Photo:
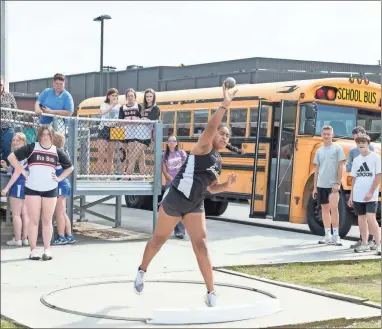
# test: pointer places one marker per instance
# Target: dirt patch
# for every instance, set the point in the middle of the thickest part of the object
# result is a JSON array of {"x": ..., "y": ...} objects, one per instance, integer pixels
[{"x": 103, "y": 232}]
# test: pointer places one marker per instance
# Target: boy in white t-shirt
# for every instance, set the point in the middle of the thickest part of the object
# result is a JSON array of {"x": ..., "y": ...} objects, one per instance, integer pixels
[{"x": 366, "y": 173}]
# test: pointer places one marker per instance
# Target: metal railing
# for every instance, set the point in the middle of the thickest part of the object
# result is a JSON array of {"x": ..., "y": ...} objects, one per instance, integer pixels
[{"x": 110, "y": 157}]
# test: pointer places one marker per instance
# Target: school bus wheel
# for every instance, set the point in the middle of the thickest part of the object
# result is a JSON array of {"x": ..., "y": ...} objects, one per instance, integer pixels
[
  {"x": 314, "y": 216},
  {"x": 215, "y": 208}
]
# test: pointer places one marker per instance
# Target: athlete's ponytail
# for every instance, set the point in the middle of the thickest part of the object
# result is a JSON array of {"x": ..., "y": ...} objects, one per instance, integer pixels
[{"x": 234, "y": 149}]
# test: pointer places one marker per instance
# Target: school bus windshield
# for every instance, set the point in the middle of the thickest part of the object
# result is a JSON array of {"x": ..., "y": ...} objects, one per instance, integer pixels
[{"x": 343, "y": 119}]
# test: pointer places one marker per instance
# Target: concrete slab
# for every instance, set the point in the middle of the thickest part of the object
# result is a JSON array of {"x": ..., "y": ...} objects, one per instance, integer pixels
[{"x": 23, "y": 282}]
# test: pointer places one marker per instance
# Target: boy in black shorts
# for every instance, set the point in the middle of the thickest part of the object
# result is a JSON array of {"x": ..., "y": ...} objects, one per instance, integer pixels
[{"x": 366, "y": 173}]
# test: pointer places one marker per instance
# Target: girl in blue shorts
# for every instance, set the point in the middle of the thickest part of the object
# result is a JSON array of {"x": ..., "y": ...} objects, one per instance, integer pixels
[
  {"x": 15, "y": 187},
  {"x": 64, "y": 230}
]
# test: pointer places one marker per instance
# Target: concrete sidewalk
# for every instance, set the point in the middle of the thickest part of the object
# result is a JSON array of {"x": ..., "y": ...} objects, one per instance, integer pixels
[{"x": 23, "y": 282}]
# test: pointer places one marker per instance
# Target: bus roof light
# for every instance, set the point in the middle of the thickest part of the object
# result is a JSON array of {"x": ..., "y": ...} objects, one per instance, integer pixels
[
  {"x": 366, "y": 81},
  {"x": 331, "y": 94},
  {"x": 320, "y": 94},
  {"x": 351, "y": 80},
  {"x": 359, "y": 80}
]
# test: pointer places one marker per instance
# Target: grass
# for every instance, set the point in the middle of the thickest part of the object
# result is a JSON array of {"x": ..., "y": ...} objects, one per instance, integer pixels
[
  {"x": 358, "y": 278},
  {"x": 8, "y": 324},
  {"x": 374, "y": 322}
]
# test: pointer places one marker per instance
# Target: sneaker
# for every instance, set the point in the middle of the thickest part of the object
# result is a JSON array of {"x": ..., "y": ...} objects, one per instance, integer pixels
[
  {"x": 139, "y": 282},
  {"x": 372, "y": 245},
  {"x": 15, "y": 243},
  {"x": 34, "y": 255},
  {"x": 378, "y": 250},
  {"x": 327, "y": 239},
  {"x": 47, "y": 255},
  {"x": 179, "y": 235},
  {"x": 364, "y": 247},
  {"x": 59, "y": 240},
  {"x": 70, "y": 239},
  {"x": 337, "y": 240},
  {"x": 210, "y": 299},
  {"x": 356, "y": 245},
  {"x": 26, "y": 242}
]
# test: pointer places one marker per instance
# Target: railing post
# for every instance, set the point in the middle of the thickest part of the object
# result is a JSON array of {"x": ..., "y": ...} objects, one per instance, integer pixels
[
  {"x": 157, "y": 184},
  {"x": 72, "y": 149}
]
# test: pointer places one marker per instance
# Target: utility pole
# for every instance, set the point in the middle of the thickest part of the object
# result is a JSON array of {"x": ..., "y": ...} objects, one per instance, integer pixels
[{"x": 4, "y": 44}]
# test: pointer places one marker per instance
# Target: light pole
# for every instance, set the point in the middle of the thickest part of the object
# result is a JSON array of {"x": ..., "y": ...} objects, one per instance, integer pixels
[
  {"x": 101, "y": 19},
  {"x": 108, "y": 70}
]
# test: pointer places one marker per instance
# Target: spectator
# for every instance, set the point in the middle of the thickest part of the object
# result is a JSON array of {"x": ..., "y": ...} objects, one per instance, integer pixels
[
  {"x": 327, "y": 182},
  {"x": 366, "y": 173},
  {"x": 131, "y": 111},
  {"x": 41, "y": 186},
  {"x": 150, "y": 111},
  {"x": 56, "y": 101},
  {"x": 64, "y": 229},
  {"x": 16, "y": 187},
  {"x": 172, "y": 161},
  {"x": 106, "y": 147},
  {"x": 7, "y": 130},
  {"x": 353, "y": 153}
]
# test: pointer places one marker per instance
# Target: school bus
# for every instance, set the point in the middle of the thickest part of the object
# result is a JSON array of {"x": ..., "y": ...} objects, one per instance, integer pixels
[{"x": 275, "y": 175}]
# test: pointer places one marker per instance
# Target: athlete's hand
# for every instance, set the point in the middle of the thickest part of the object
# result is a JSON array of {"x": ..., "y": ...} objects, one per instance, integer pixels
[
  {"x": 368, "y": 196},
  {"x": 350, "y": 202},
  {"x": 231, "y": 178},
  {"x": 4, "y": 192},
  {"x": 228, "y": 95},
  {"x": 3, "y": 164},
  {"x": 314, "y": 194},
  {"x": 55, "y": 178}
]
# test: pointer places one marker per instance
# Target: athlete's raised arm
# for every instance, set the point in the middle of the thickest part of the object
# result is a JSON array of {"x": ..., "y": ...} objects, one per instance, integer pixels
[{"x": 204, "y": 144}]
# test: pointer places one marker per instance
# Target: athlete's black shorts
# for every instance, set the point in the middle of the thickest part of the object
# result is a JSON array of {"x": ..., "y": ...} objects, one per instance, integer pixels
[
  {"x": 323, "y": 195},
  {"x": 175, "y": 204},
  {"x": 44, "y": 194},
  {"x": 363, "y": 208}
]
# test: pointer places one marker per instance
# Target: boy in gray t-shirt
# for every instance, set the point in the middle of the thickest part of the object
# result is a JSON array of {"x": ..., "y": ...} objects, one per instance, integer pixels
[{"x": 329, "y": 161}]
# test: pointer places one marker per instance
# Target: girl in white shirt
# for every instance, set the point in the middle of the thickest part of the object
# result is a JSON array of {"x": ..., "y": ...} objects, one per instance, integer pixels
[{"x": 105, "y": 145}]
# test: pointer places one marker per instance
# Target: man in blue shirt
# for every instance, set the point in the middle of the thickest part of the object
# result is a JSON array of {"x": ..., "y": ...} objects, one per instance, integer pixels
[{"x": 56, "y": 101}]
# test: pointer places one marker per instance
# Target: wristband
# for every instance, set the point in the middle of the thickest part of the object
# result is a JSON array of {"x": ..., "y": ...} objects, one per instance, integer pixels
[{"x": 222, "y": 107}]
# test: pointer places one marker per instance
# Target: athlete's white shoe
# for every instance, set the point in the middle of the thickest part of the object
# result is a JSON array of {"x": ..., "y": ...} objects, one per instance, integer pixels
[
  {"x": 35, "y": 255},
  {"x": 139, "y": 282},
  {"x": 47, "y": 255},
  {"x": 210, "y": 299}
]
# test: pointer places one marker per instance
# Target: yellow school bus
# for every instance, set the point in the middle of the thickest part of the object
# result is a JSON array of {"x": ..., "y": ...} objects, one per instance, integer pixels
[{"x": 275, "y": 175}]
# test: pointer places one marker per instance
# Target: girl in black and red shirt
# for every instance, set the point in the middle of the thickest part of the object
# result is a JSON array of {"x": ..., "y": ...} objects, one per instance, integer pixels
[{"x": 41, "y": 185}]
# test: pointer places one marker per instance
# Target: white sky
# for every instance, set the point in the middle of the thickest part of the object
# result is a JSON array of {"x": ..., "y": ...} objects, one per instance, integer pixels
[{"x": 49, "y": 37}]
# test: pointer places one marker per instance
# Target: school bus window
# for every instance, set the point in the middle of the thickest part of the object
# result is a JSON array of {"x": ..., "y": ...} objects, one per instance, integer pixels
[
  {"x": 168, "y": 123},
  {"x": 224, "y": 120},
  {"x": 263, "y": 121},
  {"x": 238, "y": 121},
  {"x": 200, "y": 121},
  {"x": 370, "y": 120},
  {"x": 183, "y": 123}
]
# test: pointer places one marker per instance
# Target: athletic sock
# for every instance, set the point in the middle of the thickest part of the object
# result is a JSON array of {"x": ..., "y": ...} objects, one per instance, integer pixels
[
  {"x": 327, "y": 231},
  {"x": 335, "y": 231},
  {"x": 139, "y": 269}
]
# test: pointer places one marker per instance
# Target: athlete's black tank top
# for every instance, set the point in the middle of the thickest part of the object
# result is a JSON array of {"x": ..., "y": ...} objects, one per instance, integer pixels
[{"x": 196, "y": 174}]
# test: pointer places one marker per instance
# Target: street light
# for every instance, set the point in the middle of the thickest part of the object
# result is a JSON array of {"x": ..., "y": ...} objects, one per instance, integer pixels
[
  {"x": 101, "y": 19},
  {"x": 108, "y": 69}
]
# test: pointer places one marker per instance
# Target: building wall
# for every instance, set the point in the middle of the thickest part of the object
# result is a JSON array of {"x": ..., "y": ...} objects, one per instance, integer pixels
[{"x": 164, "y": 78}]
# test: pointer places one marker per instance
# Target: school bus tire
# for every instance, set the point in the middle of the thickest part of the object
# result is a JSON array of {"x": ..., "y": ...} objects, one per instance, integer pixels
[
  {"x": 314, "y": 220},
  {"x": 215, "y": 208},
  {"x": 135, "y": 201}
]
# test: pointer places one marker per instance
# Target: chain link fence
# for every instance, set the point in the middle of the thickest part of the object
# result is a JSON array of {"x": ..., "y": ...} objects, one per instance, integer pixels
[
  {"x": 106, "y": 149},
  {"x": 117, "y": 149}
]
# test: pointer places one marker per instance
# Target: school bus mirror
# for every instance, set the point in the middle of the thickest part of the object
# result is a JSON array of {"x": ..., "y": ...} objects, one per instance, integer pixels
[
  {"x": 373, "y": 135},
  {"x": 309, "y": 127},
  {"x": 310, "y": 112}
]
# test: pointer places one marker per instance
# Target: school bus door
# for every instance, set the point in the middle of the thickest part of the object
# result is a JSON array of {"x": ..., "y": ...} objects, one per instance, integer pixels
[
  {"x": 262, "y": 155},
  {"x": 274, "y": 186}
]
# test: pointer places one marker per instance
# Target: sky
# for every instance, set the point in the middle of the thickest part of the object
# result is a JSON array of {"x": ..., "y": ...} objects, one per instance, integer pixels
[{"x": 45, "y": 37}]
